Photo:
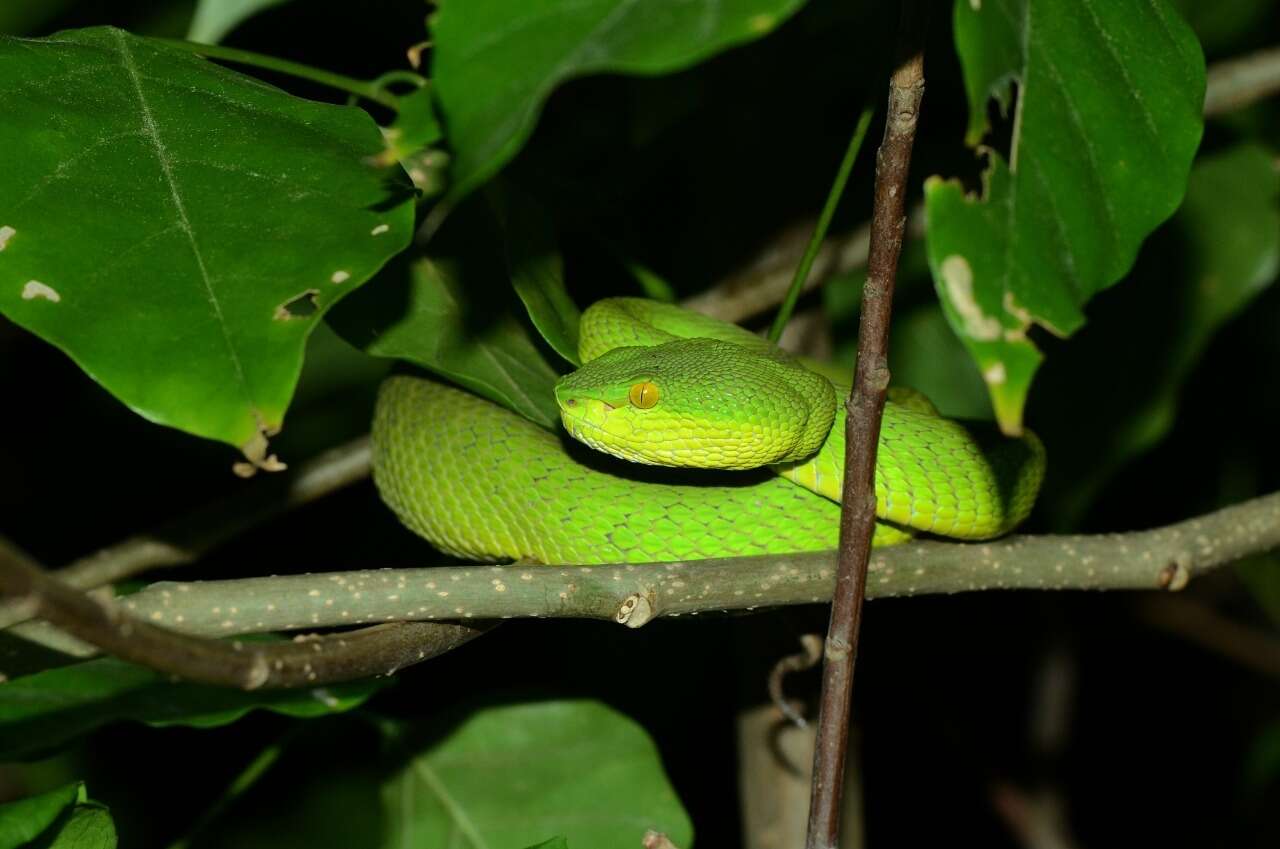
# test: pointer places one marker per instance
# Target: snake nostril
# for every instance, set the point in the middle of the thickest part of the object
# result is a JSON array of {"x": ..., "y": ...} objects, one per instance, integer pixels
[{"x": 571, "y": 402}]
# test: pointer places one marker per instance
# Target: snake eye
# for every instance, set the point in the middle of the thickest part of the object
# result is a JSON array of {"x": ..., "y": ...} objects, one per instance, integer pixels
[{"x": 644, "y": 395}]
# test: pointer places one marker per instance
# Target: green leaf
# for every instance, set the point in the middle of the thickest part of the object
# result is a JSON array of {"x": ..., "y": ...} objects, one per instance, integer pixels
[
  {"x": 26, "y": 819},
  {"x": 537, "y": 273},
  {"x": 88, "y": 826},
  {"x": 415, "y": 125},
  {"x": 509, "y": 774},
  {"x": 179, "y": 229},
  {"x": 1200, "y": 270},
  {"x": 553, "y": 843},
  {"x": 1107, "y": 122},
  {"x": 496, "y": 61},
  {"x": 41, "y": 711},
  {"x": 453, "y": 313}
]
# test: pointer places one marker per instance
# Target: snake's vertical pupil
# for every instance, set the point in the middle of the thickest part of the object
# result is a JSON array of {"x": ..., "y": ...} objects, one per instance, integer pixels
[{"x": 643, "y": 395}]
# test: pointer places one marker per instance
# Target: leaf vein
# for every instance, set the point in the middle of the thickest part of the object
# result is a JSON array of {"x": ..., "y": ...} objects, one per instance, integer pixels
[{"x": 152, "y": 131}]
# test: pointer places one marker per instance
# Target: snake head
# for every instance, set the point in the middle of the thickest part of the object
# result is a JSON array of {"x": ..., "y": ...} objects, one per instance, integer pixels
[{"x": 697, "y": 403}]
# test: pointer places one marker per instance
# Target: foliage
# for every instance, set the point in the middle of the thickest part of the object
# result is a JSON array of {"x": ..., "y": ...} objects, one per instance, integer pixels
[
  {"x": 62, "y": 818},
  {"x": 225, "y": 251}
]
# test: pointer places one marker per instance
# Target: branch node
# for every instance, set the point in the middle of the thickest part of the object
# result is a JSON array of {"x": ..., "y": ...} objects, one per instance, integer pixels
[
  {"x": 837, "y": 649},
  {"x": 1176, "y": 574},
  {"x": 636, "y": 610}
]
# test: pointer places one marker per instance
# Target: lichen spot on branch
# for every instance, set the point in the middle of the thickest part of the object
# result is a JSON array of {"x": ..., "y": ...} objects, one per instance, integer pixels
[{"x": 6, "y": 233}]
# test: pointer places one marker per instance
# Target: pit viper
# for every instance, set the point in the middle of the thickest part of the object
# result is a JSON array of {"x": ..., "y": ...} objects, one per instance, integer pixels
[{"x": 728, "y": 445}]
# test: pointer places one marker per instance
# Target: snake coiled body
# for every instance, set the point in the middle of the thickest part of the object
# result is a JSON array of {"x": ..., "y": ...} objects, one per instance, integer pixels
[{"x": 481, "y": 482}]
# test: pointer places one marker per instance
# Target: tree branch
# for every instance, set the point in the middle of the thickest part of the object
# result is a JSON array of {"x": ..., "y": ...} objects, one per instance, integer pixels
[
  {"x": 1160, "y": 559},
  {"x": 303, "y": 662},
  {"x": 864, "y": 408},
  {"x": 1236, "y": 83},
  {"x": 190, "y": 537}
]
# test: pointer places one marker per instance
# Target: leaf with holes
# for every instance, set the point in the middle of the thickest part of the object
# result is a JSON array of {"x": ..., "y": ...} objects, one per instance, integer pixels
[
  {"x": 178, "y": 229},
  {"x": 497, "y": 61},
  {"x": 1108, "y": 118}
]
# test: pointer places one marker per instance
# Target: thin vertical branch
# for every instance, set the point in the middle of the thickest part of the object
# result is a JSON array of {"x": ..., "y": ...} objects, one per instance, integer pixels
[{"x": 862, "y": 429}]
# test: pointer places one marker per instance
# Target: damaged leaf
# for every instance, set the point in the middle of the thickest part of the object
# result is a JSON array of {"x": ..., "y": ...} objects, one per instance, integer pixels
[
  {"x": 1106, "y": 121},
  {"x": 159, "y": 216}
]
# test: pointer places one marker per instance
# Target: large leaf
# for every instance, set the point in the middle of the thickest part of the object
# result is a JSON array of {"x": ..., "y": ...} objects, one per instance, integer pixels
[
  {"x": 496, "y": 61},
  {"x": 453, "y": 313},
  {"x": 178, "y": 228},
  {"x": 215, "y": 18},
  {"x": 509, "y": 775},
  {"x": 1107, "y": 122},
  {"x": 41, "y": 711},
  {"x": 506, "y": 777}
]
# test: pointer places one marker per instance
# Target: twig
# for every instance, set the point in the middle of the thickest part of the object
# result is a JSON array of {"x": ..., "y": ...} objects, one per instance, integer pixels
[
  {"x": 807, "y": 658},
  {"x": 190, "y": 537},
  {"x": 762, "y": 283},
  {"x": 368, "y": 89},
  {"x": 1201, "y": 624},
  {"x": 788, "y": 305},
  {"x": 306, "y": 661},
  {"x": 1235, "y": 83},
  {"x": 862, "y": 429}
]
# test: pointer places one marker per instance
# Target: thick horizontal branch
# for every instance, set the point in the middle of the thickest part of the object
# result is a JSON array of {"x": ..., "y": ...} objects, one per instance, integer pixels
[
  {"x": 305, "y": 661},
  {"x": 1161, "y": 559}
]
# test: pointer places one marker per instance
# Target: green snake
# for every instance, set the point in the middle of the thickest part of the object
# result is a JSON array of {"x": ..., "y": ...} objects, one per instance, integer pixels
[{"x": 663, "y": 387}]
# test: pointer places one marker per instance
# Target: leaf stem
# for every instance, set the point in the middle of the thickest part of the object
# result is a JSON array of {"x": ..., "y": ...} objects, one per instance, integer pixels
[
  {"x": 368, "y": 89},
  {"x": 824, "y": 222}
]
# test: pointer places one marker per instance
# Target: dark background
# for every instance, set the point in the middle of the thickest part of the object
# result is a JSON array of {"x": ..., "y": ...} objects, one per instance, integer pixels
[{"x": 1164, "y": 742}]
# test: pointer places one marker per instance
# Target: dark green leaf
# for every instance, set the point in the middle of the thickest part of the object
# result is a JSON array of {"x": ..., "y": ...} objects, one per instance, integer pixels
[
  {"x": 515, "y": 773},
  {"x": 178, "y": 228},
  {"x": 26, "y": 819},
  {"x": 1107, "y": 121},
  {"x": 553, "y": 843},
  {"x": 496, "y": 61},
  {"x": 88, "y": 826},
  {"x": 215, "y": 18},
  {"x": 453, "y": 313},
  {"x": 537, "y": 273},
  {"x": 41, "y": 711},
  {"x": 415, "y": 126}
]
